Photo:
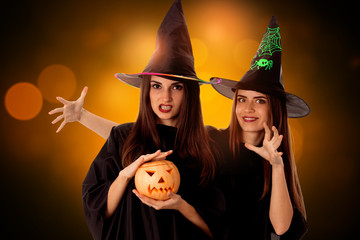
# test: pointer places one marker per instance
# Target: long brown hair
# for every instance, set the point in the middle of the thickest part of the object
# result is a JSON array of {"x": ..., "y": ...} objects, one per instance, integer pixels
[
  {"x": 279, "y": 119},
  {"x": 191, "y": 141}
]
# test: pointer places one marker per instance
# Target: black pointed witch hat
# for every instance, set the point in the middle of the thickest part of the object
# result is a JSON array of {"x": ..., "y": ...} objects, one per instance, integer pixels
[
  {"x": 173, "y": 55},
  {"x": 265, "y": 74}
]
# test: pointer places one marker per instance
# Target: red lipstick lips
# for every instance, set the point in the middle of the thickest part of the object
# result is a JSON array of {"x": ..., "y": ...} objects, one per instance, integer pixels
[
  {"x": 165, "y": 108},
  {"x": 249, "y": 119}
]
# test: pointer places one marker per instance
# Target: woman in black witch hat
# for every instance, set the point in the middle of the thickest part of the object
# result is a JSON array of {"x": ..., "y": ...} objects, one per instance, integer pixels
[
  {"x": 169, "y": 119},
  {"x": 258, "y": 176}
]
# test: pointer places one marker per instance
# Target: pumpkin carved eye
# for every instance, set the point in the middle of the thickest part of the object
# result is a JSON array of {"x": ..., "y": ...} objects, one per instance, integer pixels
[
  {"x": 150, "y": 173},
  {"x": 169, "y": 171},
  {"x": 161, "y": 180}
]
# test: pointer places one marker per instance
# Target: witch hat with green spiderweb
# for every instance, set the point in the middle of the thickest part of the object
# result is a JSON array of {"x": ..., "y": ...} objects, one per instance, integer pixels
[{"x": 265, "y": 74}]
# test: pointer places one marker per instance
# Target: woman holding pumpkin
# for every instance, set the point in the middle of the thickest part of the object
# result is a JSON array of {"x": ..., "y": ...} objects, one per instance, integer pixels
[
  {"x": 169, "y": 119},
  {"x": 111, "y": 207}
]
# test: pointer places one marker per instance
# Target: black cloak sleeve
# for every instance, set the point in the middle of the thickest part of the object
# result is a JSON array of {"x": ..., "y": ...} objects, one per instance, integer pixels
[
  {"x": 298, "y": 227},
  {"x": 296, "y": 231},
  {"x": 103, "y": 171}
]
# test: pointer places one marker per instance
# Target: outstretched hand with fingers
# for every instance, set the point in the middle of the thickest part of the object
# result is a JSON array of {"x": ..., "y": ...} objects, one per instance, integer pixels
[
  {"x": 270, "y": 145},
  {"x": 71, "y": 111}
]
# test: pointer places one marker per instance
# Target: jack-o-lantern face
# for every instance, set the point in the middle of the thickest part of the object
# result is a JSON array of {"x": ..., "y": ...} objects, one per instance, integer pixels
[{"x": 155, "y": 179}]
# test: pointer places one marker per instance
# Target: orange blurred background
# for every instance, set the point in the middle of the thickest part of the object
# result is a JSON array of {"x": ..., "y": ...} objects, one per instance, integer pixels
[{"x": 55, "y": 48}]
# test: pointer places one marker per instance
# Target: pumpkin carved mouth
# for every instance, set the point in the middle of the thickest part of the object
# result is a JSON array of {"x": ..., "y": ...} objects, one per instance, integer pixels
[{"x": 162, "y": 189}]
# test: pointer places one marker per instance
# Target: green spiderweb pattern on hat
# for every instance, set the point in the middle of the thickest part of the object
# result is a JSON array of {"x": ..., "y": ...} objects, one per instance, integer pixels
[{"x": 270, "y": 43}]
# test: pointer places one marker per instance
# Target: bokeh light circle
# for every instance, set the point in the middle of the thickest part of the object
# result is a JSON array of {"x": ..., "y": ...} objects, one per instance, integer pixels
[
  {"x": 57, "y": 80},
  {"x": 23, "y": 101}
]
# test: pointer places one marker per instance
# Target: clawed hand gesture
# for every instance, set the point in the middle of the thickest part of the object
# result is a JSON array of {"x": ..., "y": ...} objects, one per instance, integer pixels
[
  {"x": 270, "y": 145},
  {"x": 71, "y": 111}
]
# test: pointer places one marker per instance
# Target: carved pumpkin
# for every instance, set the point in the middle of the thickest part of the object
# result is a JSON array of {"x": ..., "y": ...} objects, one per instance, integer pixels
[{"x": 155, "y": 179}]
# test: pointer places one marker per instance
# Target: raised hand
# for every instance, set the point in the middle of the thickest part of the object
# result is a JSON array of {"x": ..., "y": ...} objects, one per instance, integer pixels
[
  {"x": 270, "y": 145},
  {"x": 71, "y": 111}
]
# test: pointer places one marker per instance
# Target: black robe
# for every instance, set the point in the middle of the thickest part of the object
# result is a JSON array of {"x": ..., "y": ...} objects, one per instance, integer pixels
[
  {"x": 242, "y": 182},
  {"x": 133, "y": 219}
]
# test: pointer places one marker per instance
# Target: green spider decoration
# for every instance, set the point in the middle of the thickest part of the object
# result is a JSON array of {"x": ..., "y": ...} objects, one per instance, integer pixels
[{"x": 268, "y": 64}]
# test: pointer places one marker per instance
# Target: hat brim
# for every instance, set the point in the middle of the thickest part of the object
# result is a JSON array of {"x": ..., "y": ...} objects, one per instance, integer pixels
[
  {"x": 223, "y": 86},
  {"x": 135, "y": 80},
  {"x": 295, "y": 106}
]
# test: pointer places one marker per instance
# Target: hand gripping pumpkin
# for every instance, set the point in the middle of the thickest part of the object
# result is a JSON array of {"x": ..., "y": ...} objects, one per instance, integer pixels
[{"x": 155, "y": 179}]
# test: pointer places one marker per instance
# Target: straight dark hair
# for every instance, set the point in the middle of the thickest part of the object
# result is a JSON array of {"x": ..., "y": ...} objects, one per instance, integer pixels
[
  {"x": 192, "y": 140},
  {"x": 279, "y": 119}
]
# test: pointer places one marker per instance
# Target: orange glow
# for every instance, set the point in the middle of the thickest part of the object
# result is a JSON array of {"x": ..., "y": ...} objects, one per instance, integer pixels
[
  {"x": 135, "y": 49},
  {"x": 115, "y": 100},
  {"x": 23, "y": 101},
  {"x": 57, "y": 80},
  {"x": 216, "y": 108},
  {"x": 200, "y": 51},
  {"x": 244, "y": 53},
  {"x": 219, "y": 28}
]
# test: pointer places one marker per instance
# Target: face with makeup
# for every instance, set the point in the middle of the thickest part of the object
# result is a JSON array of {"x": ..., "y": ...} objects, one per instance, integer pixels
[
  {"x": 166, "y": 98},
  {"x": 252, "y": 110}
]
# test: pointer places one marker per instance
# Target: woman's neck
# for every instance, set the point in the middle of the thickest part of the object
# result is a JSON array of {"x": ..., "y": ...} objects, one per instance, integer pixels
[
  {"x": 253, "y": 138},
  {"x": 171, "y": 123}
]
